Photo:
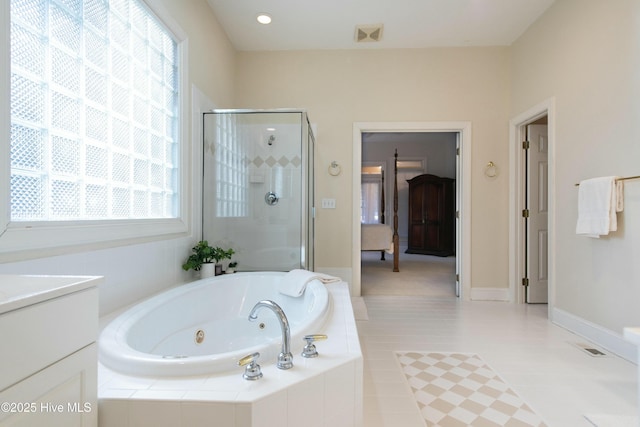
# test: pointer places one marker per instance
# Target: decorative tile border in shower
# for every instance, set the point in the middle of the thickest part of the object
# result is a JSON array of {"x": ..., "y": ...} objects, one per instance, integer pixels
[
  {"x": 258, "y": 161},
  {"x": 270, "y": 161}
]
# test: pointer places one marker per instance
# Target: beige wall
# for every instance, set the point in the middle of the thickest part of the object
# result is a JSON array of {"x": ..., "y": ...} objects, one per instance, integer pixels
[
  {"x": 339, "y": 88},
  {"x": 212, "y": 59},
  {"x": 586, "y": 54}
]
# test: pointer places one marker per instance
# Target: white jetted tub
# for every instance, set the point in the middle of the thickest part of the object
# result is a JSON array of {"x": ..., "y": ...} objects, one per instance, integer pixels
[
  {"x": 152, "y": 371},
  {"x": 203, "y": 327}
]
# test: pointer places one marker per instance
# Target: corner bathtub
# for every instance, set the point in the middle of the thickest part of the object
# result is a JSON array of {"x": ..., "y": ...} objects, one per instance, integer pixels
[
  {"x": 203, "y": 327},
  {"x": 326, "y": 390}
]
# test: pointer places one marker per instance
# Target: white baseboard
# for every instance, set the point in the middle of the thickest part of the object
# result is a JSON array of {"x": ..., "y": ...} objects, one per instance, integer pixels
[
  {"x": 490, "y": 294},
  {"x": 605, "y": 338}
]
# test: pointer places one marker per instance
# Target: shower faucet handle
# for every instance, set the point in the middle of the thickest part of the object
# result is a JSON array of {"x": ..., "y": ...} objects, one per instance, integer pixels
[
  {"x": 309, "y": 350},
  {"x": 252, "y": 371},
  {"x": 271, "y": 198}
]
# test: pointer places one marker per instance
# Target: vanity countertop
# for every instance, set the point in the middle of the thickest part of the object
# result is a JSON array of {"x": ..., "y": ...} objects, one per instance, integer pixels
[{"x": 17, "y": 291}]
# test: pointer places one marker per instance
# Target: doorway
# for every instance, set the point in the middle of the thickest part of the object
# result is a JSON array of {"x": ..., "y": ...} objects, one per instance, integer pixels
[
  {"x": 463, "y": 197},
  {"x": 429, "y": 270}
]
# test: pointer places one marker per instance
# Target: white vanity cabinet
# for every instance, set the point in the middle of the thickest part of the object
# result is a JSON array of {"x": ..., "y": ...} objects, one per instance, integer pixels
[{"x": 48, "y": 369}]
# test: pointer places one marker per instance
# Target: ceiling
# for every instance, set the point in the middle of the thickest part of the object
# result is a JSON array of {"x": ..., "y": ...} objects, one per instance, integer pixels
[{"x": 331, "y": 24}]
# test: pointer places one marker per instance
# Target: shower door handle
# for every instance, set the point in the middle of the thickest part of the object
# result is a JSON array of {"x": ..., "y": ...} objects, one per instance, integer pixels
[{"x": 271, "y": 199}]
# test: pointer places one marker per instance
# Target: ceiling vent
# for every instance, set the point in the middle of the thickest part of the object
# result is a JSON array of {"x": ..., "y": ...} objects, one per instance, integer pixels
[{"x": 368, "y": 33}]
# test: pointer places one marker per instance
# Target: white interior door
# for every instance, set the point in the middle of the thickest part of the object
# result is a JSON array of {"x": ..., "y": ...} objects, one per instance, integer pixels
[{"x": 538, "y": 202}]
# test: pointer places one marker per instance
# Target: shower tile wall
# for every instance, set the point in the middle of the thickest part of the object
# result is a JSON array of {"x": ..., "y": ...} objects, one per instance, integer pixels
[
  {"x": 266, "y": 156},
  {"x": 275, "y": 168}
]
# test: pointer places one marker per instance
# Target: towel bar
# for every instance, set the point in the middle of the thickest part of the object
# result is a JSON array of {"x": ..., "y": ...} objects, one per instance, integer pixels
[{"x": 623, "y": 179}]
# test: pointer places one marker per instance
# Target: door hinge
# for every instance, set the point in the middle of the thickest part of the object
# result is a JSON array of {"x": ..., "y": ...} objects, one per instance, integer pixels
[
  {"x": 525, "y": 281},
  {"x": 457, "y": 151},
  {"x": 525, "y": 213},
  {"x": 458, "y": 214},
  {"x": 457, "y": 277},
  {"x": 525, "y": 145}
]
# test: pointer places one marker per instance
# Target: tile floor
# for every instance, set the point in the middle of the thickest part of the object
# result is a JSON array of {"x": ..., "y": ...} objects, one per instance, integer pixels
[{"x": 539, "y": 360}]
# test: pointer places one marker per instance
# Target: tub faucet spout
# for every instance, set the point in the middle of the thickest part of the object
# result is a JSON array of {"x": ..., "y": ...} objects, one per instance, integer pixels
[{"x": 285, "y": 358}]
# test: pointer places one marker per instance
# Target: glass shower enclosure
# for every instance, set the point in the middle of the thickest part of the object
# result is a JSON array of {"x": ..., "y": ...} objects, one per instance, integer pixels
[{"x": 258, "y": 187}]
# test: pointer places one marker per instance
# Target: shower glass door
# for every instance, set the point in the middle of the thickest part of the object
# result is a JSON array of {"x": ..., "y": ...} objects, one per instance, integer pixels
[{"x": 258, "y": 187}]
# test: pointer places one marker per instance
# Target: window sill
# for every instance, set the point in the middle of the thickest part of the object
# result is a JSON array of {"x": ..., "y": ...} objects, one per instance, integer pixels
[{"x": 24, "y": 241}]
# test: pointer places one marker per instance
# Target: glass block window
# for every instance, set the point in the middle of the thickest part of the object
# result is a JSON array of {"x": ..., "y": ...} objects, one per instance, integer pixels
[
  {"x": 94, "y": 112},
  {"x": 232, "y": 186}
]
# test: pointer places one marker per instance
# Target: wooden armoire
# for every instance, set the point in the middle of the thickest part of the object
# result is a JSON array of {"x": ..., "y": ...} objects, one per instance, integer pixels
[{"x": 431, "y": 215}]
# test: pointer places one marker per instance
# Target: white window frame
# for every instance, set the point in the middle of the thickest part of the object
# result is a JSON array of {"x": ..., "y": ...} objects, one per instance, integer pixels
[
  {"x": 374, "y": 178},
  {"x": 27, "y": 240}
]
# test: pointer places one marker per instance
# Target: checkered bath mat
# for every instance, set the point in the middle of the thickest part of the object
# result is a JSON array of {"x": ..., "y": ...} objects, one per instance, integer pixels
[{"x": 456, "y": 389}]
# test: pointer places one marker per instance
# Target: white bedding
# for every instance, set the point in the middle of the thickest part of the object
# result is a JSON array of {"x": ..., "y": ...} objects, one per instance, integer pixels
[{"x": 376, "y": 237}]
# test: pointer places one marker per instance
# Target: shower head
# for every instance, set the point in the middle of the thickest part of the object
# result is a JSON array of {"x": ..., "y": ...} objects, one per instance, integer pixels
[{"x": 271, "y": 140}]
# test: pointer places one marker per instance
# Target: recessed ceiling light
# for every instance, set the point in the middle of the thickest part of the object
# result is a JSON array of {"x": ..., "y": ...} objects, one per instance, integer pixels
[{"x": 264, "y": 18}]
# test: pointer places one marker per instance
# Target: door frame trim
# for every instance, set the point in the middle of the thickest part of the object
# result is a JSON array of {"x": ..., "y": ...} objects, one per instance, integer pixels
[
  {"x": 463, "y": 192},
  {"x": 517, "y": 131}
]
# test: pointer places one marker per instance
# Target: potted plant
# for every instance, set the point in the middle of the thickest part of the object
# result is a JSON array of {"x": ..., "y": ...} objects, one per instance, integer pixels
[
  {"x": 205, "y": 258},
  {"x": 232, "y": 267},
  {"x": 220, "y": 254},
  {"x": 201, "y": 254}
]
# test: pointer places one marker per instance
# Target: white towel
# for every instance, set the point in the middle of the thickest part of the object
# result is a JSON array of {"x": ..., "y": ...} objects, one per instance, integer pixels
[
  {"x": 619, "y": 195},
  {"x": 295, "y": 282},
  {"x": 598, "y": 201}
]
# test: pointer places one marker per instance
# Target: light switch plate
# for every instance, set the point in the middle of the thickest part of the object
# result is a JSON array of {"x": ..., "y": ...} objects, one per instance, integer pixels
[{"x": 328, "y": 203}]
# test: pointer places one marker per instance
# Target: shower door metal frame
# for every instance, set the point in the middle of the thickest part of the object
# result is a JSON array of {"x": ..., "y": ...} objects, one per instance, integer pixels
[
  {"x": 308, "y": 195},
  {"x": 307, "y": 141}
]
